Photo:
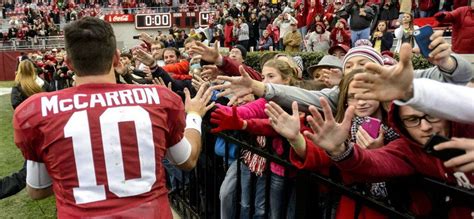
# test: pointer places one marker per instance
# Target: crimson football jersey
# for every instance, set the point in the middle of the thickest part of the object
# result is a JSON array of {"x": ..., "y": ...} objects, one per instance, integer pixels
[{"x": 102, "y": 145}]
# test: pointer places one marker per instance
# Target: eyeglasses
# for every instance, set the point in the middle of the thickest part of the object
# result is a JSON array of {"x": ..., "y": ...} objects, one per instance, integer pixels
[{"x": 415, "y": 121}]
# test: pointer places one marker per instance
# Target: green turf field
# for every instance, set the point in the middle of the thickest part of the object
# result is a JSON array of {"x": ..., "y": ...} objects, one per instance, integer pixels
[{"x": 20, "y": 205}]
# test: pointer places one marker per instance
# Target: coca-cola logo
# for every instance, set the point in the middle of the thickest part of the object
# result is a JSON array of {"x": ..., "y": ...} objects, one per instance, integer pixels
[{"x": 123, "y": 18}]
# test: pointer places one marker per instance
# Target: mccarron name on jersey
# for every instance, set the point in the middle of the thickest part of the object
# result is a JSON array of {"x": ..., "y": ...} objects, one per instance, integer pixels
[{"x": 145, "y": 95}]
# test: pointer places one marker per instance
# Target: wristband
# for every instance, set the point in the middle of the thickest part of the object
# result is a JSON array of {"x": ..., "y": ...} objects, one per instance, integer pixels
[
  {"x": 154, "y": 66},
  {"x": 344, "y": 155},
  {"x": 193, "y": 121},
  {"x": 300, "y": 142}
]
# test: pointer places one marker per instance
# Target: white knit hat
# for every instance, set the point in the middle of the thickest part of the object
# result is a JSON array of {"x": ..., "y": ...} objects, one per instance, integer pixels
[{"x": 365, "y": 51}]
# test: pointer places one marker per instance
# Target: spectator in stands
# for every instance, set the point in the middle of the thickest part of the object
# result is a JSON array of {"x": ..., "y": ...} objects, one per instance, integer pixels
[
  {"x": 218, "y": 37},
  {"x": 339, "y": 12},
  {"x": 283, "y": 22},
  {"x": 361, "y": 17},
  {"x": 241, "y": 32},
  {"x": 253, "y": 31},
  {"x": 341, "y": 34},
  {"x": 263, "y": 20},
  {"x": 182, "y": 36},
  {"x": 404, "y": 33},
  {"x": 405, "y": 7},
  {"x": 315, "y": 8},
  {"x": 339, "y": 51},
  {"x": 12, "y": 32},
  {"x": 264, "y": 42},
  {"x": 382, "y": 40},
  {"x": 293, "y": 39},
  {"x": 388, "y": 11},
  {"x": 426, "y": 8},
  {"x": 301, "y": 13},
  {"x": 462, "y": 20},
  {"x": 319, "y": 39},
  {"x": 234, "y": 10},
  {"x": 170, "y": 41},
  {"x": 228, "y": 32},
  {"x": 194, "y": 34}
]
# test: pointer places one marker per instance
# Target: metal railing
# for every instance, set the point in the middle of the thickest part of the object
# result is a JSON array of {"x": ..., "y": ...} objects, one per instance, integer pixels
[
  {"x": 32, "y": 43},
  {"x": 199, "y": 197}
]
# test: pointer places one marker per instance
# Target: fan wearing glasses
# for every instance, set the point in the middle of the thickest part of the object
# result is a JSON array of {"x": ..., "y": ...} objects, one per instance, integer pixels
[{"x": 401, "y": 157}]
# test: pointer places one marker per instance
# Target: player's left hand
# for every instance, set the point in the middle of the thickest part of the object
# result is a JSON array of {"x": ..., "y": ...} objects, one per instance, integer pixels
[{"x": 198, "y": 104}]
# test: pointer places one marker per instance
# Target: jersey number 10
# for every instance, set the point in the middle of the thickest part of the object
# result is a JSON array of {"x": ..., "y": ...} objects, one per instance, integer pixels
[{"x": 78, "y": 129}]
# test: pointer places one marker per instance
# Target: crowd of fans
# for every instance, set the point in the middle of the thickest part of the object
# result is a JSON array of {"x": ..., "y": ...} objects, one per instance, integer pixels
[
  {"x": 299, "y": 26},
  {"x": 353, "y": 84}
]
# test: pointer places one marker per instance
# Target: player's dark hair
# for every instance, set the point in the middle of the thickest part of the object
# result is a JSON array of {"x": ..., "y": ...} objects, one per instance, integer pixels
[{"x": 90, "y": 46}]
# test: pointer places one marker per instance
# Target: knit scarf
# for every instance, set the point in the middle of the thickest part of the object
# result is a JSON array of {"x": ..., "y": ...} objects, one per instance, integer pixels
[
  {"x": 377, "y": 190},
  {"x": 255, "y": 162}
]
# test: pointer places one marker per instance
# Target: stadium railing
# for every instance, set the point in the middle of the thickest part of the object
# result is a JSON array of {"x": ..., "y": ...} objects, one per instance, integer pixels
[
  {"x": 40, "y": 43},
  {"x": 198, "y": 197}
]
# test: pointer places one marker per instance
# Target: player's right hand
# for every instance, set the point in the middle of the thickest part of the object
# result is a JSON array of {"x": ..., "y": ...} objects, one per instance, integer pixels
[{"x": 198, "y": 104}]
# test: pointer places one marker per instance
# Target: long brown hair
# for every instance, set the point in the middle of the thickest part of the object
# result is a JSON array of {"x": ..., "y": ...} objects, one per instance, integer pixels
[
  {"x": 343, "y": 91},
  {"x": 411, "y": 25},
  {"x": 26, "y": 78}
]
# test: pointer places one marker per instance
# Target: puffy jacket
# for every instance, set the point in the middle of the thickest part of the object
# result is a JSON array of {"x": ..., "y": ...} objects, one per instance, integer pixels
[{"x": 462, "y": 20}]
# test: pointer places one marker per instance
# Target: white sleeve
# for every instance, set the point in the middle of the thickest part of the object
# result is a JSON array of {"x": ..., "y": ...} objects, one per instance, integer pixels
[
  {"x": 443, "y": 100},
  {"x": 180, "y": 152},
  {"x": 36, "y": 175}
]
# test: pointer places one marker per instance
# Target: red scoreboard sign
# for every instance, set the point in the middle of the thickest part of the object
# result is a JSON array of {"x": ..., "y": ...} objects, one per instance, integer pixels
[{"x": 119, "y": 18}]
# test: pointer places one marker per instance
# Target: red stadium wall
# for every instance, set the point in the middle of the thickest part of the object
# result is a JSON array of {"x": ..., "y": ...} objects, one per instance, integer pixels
[{"x": 8, "y": 62}]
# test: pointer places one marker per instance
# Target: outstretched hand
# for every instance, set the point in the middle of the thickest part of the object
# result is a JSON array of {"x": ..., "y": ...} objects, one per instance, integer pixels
[
  {"x": 209, "y": 54},
  {"x": 239, "y": 86},
  {"x": 224, "y": 121},
  {"x": 328, "y": 134},
  {"x": 198, "y": 104},
  {"x": 387, "y": 83},
  {"x": 285, "y": 124},
  {"x": 144, "y": 57}
]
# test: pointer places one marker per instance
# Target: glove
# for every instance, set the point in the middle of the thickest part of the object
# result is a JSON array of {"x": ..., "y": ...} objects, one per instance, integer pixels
[
  {"x": 225, "y": 121},
  {"x": 440, "y": 16}
]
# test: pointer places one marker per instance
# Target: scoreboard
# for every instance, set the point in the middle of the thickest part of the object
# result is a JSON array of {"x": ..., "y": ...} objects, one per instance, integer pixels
[{"x": 166, "y": 20}]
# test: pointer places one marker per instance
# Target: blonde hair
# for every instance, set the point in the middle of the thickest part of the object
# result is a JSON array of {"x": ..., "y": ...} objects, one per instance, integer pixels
[
  {"x": 290, "y": 62},
  {"x": 285, "y": 70},
  {"x": 26, "y": 78}
]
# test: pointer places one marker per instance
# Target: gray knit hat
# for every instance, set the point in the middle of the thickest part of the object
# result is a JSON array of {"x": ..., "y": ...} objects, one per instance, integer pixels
[{"x": 328, "y": 61}]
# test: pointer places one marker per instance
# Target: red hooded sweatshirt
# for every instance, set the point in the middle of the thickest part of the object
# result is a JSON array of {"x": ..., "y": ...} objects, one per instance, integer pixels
[
  {"x": 404, "y": 157},
  {"x": 341, "y": 36}
]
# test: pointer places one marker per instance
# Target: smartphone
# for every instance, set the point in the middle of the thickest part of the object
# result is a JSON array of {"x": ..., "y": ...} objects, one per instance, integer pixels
[
  {"x": 136, "y": 37},
  {"x": 371, "y": 126},
  {"x": 445, "y": 154},
  {"x": 422, "y": 37}
]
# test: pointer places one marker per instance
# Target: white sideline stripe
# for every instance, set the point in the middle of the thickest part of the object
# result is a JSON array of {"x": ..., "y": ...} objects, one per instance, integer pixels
[{"x": 4, "y": 91}]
